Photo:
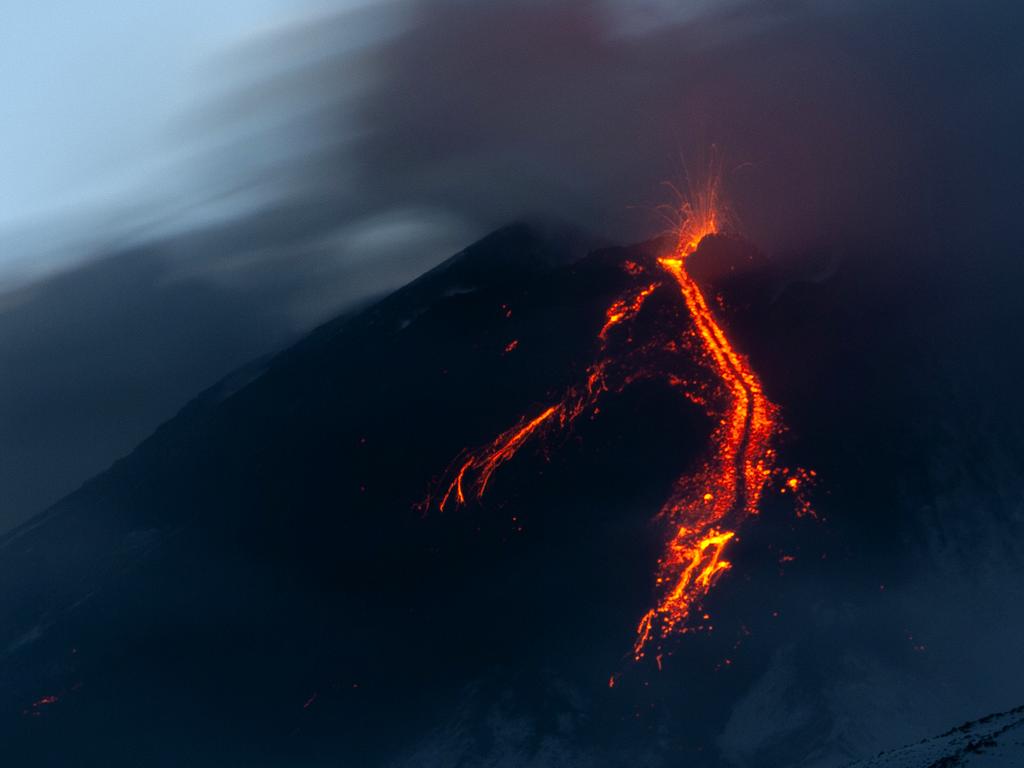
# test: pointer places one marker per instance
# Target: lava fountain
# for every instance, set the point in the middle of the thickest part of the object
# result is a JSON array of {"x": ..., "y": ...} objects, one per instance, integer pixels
[{"x": 706, "y": 508}]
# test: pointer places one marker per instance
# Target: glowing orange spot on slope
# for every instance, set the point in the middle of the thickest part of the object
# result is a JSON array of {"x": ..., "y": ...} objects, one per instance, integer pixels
[{"x": 36, "y": 708}]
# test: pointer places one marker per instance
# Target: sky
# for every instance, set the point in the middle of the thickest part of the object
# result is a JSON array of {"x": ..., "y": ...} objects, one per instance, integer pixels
[{"x": 94, "y": 96}]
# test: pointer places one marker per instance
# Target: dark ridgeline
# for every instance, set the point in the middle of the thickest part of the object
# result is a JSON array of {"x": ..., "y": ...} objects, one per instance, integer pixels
[{"x": 256, "y": 585}]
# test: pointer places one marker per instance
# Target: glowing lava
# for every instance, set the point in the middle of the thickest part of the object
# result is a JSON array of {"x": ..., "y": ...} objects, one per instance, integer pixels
[{"x": 706, "y": 508}]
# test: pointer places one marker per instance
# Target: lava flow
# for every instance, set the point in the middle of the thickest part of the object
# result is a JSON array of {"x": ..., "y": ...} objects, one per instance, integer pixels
[{"x": 706, "y": 508}]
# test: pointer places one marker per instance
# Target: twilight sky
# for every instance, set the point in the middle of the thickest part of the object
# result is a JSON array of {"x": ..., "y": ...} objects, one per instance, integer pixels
[{"x": 93, "y": 94}]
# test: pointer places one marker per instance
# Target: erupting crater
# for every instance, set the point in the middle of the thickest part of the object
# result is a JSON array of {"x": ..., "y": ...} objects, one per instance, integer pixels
[{"x": 705, "y": 508}]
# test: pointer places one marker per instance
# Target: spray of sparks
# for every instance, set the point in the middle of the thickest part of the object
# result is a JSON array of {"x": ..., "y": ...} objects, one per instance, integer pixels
[{"x": 706, "y": 508}]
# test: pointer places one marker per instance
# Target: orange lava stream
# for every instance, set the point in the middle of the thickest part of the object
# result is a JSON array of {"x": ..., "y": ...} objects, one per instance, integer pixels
[
  {"x": 706, "y": 508},
  {"x": 622, "y": 310},
  {"x": 484, "y": 463}
]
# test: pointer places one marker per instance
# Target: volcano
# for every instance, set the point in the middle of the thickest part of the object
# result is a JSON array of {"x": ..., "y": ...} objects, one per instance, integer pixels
[{"x": 287, "y": 574}]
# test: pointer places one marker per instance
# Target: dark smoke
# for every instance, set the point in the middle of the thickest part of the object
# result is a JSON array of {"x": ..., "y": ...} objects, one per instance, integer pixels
[{"x": 838, "y": 122}]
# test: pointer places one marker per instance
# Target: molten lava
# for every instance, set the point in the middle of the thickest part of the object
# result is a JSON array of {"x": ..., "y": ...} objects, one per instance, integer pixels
[{"x": 706, "y": 508}]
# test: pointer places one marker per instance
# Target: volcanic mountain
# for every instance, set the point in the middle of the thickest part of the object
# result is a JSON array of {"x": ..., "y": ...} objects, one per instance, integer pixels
[{"x": 269, "y": 579}]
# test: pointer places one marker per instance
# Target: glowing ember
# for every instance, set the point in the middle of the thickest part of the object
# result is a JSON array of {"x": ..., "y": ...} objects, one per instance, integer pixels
[
  {"x": 705, "y": 509},
  {"x": 37, "y": 707}
]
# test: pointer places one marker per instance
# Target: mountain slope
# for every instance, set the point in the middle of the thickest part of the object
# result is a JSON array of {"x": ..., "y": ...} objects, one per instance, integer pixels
[
  {"x": 258, "y": 583},
  {"x": 251, "y": 552}
]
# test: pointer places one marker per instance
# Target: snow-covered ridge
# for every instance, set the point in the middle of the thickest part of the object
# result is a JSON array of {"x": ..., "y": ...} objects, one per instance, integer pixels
[{"x": 995, "y": 741}]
